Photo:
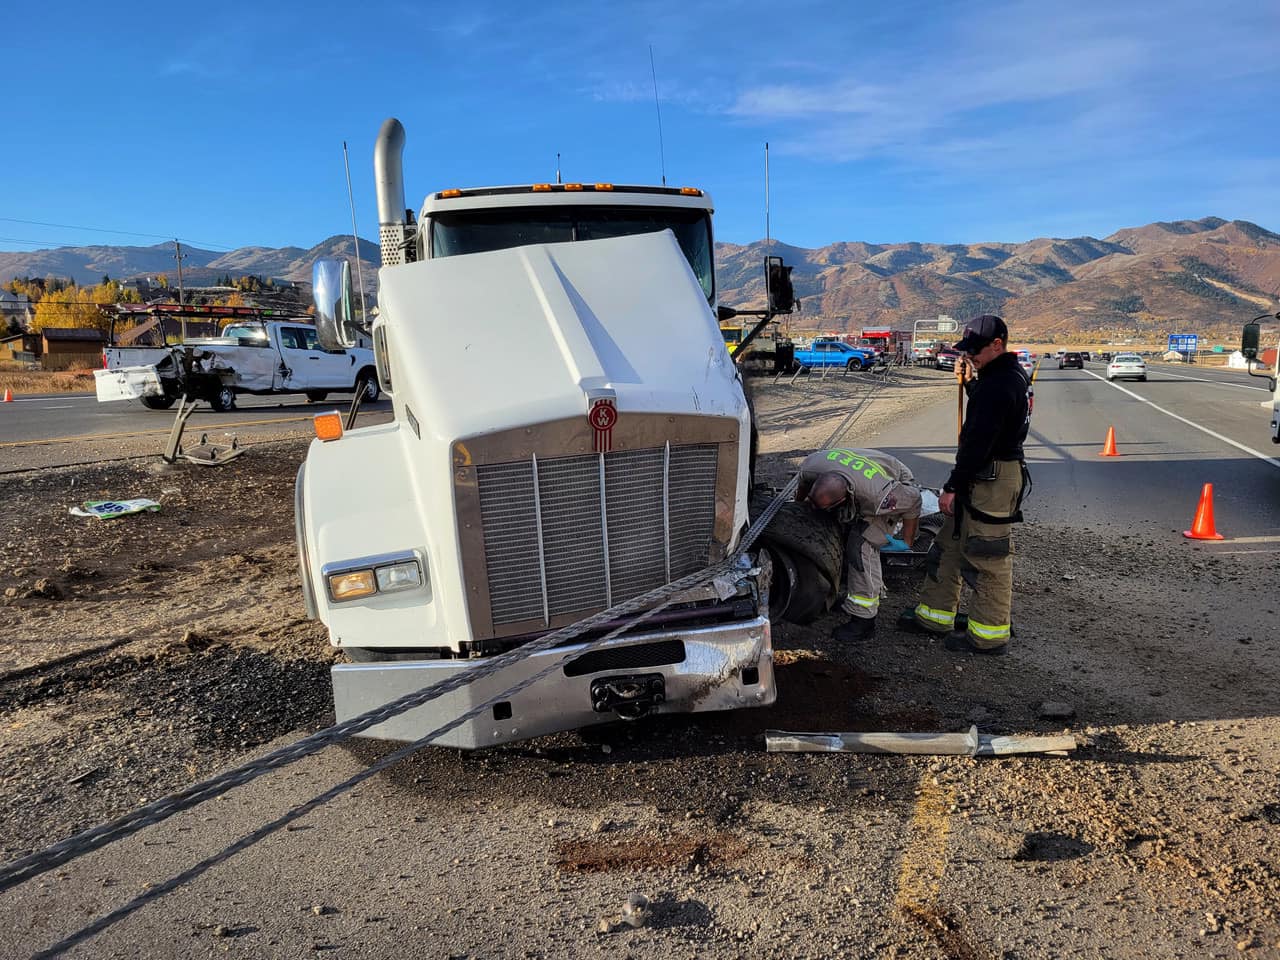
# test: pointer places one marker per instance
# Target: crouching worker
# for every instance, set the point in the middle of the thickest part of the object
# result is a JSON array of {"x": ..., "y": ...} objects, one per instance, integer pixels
[{"x": 868, "y": 491}]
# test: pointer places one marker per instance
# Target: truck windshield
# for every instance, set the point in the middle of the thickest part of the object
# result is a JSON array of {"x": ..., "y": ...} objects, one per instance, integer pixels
[{"x": 479, "y": 231}]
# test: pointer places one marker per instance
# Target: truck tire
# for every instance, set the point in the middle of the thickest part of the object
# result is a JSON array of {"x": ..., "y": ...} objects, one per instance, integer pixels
[
  {"x": 223, "y": 400},
  {"x": 162, "y": 402},
  {"x": 368, "y": 382},
  {"x": 854, "y": 364},
  {"x": 810, "y": 594},
  {"x": 316, "y": 396},
  {"x": 815, "y": 544}
]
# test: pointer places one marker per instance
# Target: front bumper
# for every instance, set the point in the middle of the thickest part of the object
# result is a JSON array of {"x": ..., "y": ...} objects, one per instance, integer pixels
[{"x": 723, "y": 667}]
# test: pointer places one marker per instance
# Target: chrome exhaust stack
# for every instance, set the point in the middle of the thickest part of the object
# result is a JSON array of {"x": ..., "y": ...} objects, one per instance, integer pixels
[{"x": 395, "y": 223}]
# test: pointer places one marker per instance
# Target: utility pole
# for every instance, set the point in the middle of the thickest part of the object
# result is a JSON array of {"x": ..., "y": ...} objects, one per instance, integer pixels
[{"x": 177, "y": 255}]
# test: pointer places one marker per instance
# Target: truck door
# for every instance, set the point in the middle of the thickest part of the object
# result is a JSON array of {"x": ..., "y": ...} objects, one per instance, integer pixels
[{"x": 308, "y": 366}]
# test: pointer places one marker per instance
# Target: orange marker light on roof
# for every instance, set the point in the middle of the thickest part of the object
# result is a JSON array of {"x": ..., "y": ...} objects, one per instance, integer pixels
[
  {"x": 542, "y": 188},
  {"x": 328, "y": 426},
  {"x": 690, "y": 191},
  {"x": 573, "y": 186},
  {"x": 604, "y": 186},
  {"x": 450, "y": 194}
]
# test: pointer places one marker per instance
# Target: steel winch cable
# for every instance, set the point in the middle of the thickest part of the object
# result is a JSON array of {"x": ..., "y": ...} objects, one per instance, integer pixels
[{"x": 643, "y": 607}]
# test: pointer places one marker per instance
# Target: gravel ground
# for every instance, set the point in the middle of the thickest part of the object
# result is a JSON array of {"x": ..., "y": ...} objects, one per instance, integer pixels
[{"x": 140, "y": 654}]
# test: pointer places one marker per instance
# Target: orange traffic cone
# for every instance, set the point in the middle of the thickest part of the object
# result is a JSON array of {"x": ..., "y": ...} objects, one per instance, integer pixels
[
  {"x": 1109, "y": 447},
  {"x": 1202, "y": 526},
  {"x": 8, "y": 395}
]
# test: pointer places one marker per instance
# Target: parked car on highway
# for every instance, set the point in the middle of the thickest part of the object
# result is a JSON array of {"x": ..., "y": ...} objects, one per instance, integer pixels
[
  {"x": 1127, "y": 366},
  {"x": 1086, "y": 355},
  {"x": 1071, "y": 359},
  {"x": 947, "y": 358},
  {"x": 1024, "y": 361},
  {"x": 1106, "y": 356}
]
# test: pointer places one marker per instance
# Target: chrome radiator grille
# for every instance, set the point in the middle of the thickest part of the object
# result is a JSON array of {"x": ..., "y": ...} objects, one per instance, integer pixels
[{"x": 570, "y": 534}]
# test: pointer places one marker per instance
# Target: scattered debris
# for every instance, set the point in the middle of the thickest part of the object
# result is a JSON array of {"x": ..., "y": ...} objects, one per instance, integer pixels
[
  {"x": 106, "y": 509},
  {"x": 971, "y": 744},
  {"x": 635, "y": 912}
]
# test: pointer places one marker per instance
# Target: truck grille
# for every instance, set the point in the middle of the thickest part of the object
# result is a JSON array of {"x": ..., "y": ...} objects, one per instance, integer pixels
[{"x": 564, "y": 535}]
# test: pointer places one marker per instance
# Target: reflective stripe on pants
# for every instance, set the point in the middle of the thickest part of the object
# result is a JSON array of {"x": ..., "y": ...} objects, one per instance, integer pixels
[
  {"x": 940, "y": 621},
  {"x": 860, "y": 606},
  {"x": 992, "y": 636}
]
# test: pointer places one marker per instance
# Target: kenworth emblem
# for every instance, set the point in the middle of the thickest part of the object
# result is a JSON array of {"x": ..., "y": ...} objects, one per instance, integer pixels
[{"x": 602, "y": 416}]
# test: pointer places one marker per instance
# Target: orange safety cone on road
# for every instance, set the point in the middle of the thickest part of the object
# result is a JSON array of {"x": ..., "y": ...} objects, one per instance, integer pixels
[
  {"x": 8, "y": 395},
  {"x": 1109, "y": 447},
  {"x": 1202, "y": 526}
]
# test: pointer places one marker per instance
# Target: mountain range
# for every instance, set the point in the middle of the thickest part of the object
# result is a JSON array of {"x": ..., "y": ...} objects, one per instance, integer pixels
[{"x": 1204, "y": 276}]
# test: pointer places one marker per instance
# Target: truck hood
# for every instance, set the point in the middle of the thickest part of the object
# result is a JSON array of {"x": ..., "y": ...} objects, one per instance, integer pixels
[{"x": 543, "y": 329}]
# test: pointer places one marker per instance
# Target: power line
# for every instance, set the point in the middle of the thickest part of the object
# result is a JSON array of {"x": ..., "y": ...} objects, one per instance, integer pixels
[{"x": 120, "y": 233}]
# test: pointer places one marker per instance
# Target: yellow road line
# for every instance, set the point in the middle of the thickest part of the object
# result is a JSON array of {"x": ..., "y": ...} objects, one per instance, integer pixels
[
  {"x": 143, "y": 433},
  {"x": 925, "y": 859}
]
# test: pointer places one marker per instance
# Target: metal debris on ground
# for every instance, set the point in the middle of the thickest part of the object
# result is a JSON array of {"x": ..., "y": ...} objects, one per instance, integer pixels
[
  {"x": 212, "y": 454},
  {"x": 971, "y": 744}
]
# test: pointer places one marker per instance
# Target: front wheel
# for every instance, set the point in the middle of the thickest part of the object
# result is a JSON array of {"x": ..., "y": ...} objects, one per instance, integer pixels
[
  {"x": 316, "y": 396},
  {"x": 1143, "y": 378},
  {"x": 369, "y": 384},
  {"x": 853, "y": 364},
  {"x": 223, "y": 400}
]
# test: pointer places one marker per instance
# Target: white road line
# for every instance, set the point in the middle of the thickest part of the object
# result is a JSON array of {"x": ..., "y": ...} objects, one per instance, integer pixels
[
  {"x": 61, "y": 406},
  {"x": 1190, "y": 423},
  {"x": 47, "y": 399},
  {"x": 1216, "y": 383}
]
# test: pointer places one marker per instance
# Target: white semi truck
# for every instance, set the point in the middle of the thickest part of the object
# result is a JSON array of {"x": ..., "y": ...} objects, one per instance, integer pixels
[
  {"x": 1249, "y": 347},
  {"x": 569, "y": 432}
]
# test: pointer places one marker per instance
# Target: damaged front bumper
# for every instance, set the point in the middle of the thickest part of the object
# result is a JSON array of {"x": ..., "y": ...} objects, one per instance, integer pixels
[{"x": 721, "y": 667}]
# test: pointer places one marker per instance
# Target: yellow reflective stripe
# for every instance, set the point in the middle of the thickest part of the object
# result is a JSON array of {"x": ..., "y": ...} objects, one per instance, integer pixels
[
  {"x": 944, "y": 618},
  {"x": 864, "y": 601},
  {"x": 987, "y": 632}
]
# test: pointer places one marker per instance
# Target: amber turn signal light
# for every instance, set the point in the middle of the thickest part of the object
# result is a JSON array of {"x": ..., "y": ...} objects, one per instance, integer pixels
[{"x": 328, "y": 426}]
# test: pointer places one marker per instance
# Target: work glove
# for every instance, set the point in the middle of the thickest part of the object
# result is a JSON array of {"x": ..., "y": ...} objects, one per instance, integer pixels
[{"x": 895, "y": 546}]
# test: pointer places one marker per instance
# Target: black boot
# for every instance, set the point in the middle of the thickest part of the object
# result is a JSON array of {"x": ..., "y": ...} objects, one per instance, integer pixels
[{"x": 858, "y": 628}]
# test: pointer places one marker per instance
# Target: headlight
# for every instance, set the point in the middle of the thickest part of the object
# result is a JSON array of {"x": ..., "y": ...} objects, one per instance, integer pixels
[
  {"x": 399, "y": 576},
  {"x": 367, "y": 576}
]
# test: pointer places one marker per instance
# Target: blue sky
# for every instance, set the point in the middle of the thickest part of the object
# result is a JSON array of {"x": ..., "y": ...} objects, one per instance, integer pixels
[{"x": 947, "y": 122}]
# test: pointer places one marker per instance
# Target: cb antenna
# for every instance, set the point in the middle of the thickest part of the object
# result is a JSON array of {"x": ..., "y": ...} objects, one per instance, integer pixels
[
  {"x": 768, "y": 243},
  {"x": 355, "y": 237},
  {"x": 662, "y": 153},
  {"x": 558, "y": 180}
]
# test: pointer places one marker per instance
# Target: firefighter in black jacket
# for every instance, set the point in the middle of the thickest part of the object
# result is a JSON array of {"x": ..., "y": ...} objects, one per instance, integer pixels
[{"x": 982, "y": 500}]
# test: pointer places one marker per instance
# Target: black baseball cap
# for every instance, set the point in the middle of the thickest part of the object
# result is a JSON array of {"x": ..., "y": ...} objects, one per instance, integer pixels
[{"x": 980, "y": 331}]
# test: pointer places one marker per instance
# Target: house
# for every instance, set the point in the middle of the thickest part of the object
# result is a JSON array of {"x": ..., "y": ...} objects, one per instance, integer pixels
[
  {"x": 22, "y": 347},
  {"x": 65, "y": 348},
  {"x": 14, "y": 306}
]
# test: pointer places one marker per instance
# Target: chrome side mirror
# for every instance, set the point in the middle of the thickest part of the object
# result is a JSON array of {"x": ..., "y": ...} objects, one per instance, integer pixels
[{"x": 331, "y": 290}]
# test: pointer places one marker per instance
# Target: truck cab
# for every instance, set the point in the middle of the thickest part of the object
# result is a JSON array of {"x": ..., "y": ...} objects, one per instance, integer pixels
[{"x": 569, "y": 433}]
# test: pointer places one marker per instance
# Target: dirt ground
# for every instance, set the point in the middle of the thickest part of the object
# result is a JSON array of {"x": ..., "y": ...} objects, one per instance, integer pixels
[{"x": 140, "y": 654}]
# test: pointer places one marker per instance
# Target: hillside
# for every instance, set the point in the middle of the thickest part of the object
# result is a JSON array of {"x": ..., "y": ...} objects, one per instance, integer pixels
[
  {"x": 87, "y": 265},
  {"x": 1203, "y": 276},
  {"x": 1207, "y": 276}
]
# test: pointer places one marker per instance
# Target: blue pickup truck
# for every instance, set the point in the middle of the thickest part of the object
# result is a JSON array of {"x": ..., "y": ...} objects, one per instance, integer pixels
[{"x": 833, "y": 353}]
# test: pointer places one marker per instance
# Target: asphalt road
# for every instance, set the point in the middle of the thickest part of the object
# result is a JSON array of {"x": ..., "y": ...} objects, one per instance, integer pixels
[
  {"x": 1181, "y": 429},
  {"x": 70, "y": 416}
]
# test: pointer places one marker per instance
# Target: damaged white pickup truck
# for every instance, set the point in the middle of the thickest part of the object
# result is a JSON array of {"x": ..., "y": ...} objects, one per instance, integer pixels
[{"x": 256, "y": 357}]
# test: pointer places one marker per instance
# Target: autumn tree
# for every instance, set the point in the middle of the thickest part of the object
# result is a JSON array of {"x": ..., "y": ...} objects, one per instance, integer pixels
[{"x": 80, "y": 307}]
